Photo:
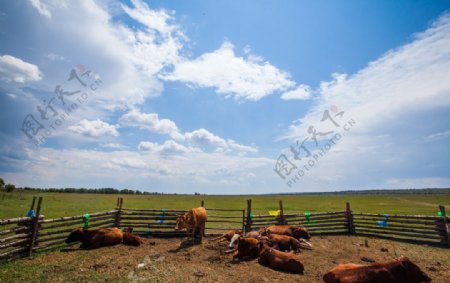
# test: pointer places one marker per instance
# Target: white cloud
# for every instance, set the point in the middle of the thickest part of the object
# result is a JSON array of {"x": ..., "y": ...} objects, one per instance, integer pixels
[
  {"x": 405, "y": 87},
  {"x": 55, "y": 57},
  {"x": 188, "y": 172},
  {"x": 241, "y": 148},
  {"x": 156, "y": 20},
  {"x": 95, "y": 128},
  {"x": 128, "y": 57},
  {"x": 113, "y": 145},
  {"x": 200, "y": 137},
  {"x": 151, "y": 122},
  {"x": 248, "y": 78},
  {"x": 41, "y": 8},
  {"x": 17, "y": 70},
  {"x": 205, "y": 139},
  {"x": 406, "y": 79},
  {"x": 169, "y": 147},
  {"x": 302, "y": 92},
  {"x": 436, "y": 136}
]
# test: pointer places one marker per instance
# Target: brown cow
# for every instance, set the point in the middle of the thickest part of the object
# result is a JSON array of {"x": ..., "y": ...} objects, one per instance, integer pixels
[
  {"x": 401, "y": 270},
  {"x": 228, "y": 235},
  {"x": 248, "y": 248},
  {"x": 279, "y": 260},
  {"x": 131, "y": 239},
  {"x": 255, "y": 234},
  {"x": 288, "y": 230},
  {"x": 284, "y": 243},
  {"x": 91, "y": 239},
  {"x": 194, "y": 221}
]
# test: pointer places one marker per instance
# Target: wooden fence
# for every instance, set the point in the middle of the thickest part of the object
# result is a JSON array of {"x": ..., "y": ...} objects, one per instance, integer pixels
[{"x": 22, "y": 236}]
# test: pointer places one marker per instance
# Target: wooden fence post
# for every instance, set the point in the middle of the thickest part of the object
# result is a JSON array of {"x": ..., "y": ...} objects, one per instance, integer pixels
[
  {"x": 202, "y": 203},
  {"x": 444, "y": 233},
  {"x": 281, "y": 219},
  {"x": 118, "y": 212},
  {"x": 243, "y": 220},
  {"x": 248, "y": 224},
  {"x": 33, "y": 202},
  {"x": 349, "y": 218},
  {"x": 35, "y": 227}
]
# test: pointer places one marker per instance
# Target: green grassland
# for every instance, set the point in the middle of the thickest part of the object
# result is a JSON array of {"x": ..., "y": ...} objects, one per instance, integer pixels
[{"x": 16, "y": 204}]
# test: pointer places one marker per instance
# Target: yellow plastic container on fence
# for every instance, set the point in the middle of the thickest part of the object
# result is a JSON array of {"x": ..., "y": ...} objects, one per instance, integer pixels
[{"x": 274, "y": 212}]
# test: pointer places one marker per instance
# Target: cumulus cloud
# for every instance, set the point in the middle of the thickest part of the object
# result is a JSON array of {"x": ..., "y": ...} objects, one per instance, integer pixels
[
  {"x": 302, "y": 92},
  {"x": 128, "y": 56},
  {"x": 200, "y": 137},
  {"x": 205, "y": 139},
  {"x": 16, "y": 70},
  {"x": 169, "y": 147},
  {"x": 151, "y": 122},
  {"x": 249, "y": 78},
  {"x": 94, "y": 128}
]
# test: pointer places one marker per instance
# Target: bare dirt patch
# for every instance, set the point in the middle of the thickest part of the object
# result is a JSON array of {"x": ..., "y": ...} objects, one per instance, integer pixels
[{"x": 173, "y": 260}]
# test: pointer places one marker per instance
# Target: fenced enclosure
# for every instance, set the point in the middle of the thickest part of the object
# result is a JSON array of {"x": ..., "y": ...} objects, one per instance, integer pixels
[{"x": 22, "y": 236}]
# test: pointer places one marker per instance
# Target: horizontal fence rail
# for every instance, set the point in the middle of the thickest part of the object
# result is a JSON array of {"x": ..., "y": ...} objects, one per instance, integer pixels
[{"x": 22, "y": 236}]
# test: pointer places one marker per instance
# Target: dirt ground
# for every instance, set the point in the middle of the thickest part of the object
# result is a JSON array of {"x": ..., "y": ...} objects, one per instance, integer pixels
[{"x": 172, "y": 260}]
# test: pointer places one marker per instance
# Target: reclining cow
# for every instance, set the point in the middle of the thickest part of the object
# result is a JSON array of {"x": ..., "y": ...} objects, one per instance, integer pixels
[
  {"x": 279, "y": 260},
  {"x": 228, "y": 236},
  {"x": 256, "y": 233},
  {"x": 131, "y": 239},
  {"x": 289, "y": 230},
  {"x": 401, "y": 270},
  {"x": 194, "y": 221},
  {"x": 299, "y": 233},
  {"x": 247, "y": 248},
  {"x": 284, "y": 243},
  {"x": 95, "y": 238}
]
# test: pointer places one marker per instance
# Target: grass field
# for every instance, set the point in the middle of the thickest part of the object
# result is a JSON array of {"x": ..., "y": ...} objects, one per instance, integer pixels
[{"x": 63, "y": 204}]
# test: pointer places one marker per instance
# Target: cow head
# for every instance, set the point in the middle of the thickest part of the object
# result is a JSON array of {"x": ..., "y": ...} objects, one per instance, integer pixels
[
  {"x": 301, "y": 233},
  {"x": 75, "y": 236},
  {"x": 413, "y": 272},
  {"x": 182, "y": 222},
  {"x": 263, "y": 231},
  {"x": 265, "y": 245}
]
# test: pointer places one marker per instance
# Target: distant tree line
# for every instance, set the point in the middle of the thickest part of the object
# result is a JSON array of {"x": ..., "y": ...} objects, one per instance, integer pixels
[
  {"x": 90, "y": 191},
  {"x": 10, "y": 187}
]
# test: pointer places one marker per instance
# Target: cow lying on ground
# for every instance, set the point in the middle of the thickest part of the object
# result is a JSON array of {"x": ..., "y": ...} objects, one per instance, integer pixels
[
  {"x": 95, "y": 238},
  {"x": 401, "y": 270},
  {"x": 284, "y": 243},
  {"x": 279, "y": 260},
  {"x": 228, "y": 235},
  {"x": 234, "y": 241},
  {"x": 131, "y": 239},
  {"x": 194, "y": 221},
  {"x": 247, "y": 248},
  {"x": 288, "y": 230}
]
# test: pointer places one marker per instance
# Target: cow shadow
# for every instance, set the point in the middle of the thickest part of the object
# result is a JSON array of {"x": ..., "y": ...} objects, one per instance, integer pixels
[{"x": 188, "y": 243}]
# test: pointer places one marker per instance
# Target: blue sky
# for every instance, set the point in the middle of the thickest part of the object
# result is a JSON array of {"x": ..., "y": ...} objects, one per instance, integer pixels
[{"x": 218, "y": 96}]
